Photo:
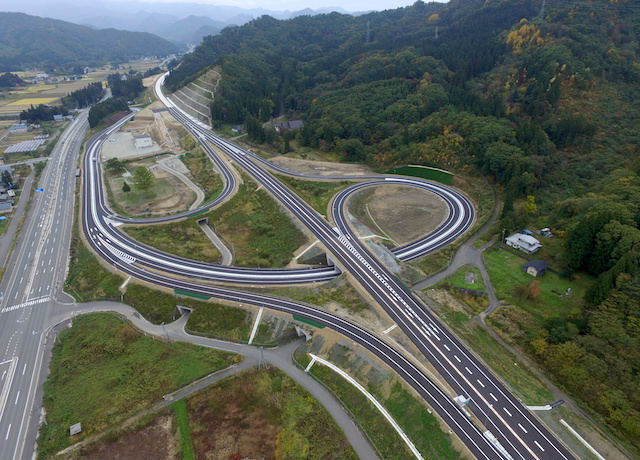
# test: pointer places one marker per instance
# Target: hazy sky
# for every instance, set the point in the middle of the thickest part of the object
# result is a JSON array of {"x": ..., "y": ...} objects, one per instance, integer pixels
[{"x": 294, "y": 5}]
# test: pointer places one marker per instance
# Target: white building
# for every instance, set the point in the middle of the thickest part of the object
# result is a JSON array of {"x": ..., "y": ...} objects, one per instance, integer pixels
[
  {"x": 142, "y": 141},
  {"x": 524, "y": 243}
]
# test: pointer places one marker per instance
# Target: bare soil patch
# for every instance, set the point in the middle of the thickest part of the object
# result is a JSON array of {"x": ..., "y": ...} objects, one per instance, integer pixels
[
  {"x": 320, "y": 168},
  {"x": 403, "y": 213},
  {"x": 155, "y": 441}
]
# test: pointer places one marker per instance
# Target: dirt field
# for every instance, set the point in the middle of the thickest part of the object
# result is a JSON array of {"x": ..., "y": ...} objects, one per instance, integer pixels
[
  {"x": 320, "y": 168},
  {"x": 156, "y": 441},
  {"x": 402, "y": 213}
]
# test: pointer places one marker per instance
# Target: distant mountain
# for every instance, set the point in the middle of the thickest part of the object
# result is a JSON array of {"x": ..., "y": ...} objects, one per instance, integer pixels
[
  {"x": 190, "y": 29},
  {"x": 34, "y": 41},
  {"x": 173, "y": 21}
]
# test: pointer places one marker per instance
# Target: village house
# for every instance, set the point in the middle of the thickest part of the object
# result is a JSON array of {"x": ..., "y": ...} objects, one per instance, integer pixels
[{"x": 524, "y": 243}]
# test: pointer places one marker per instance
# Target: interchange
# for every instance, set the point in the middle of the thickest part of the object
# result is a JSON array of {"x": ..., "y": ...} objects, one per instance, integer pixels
[{"x": 521, "y": 435}]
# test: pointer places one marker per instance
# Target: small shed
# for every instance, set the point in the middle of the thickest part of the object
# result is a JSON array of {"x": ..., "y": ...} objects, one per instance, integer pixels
[{"x": 535, "y": 267}]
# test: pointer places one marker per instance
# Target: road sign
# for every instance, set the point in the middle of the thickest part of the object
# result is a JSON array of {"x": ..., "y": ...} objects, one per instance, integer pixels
[{"x": 39, "y": 190}]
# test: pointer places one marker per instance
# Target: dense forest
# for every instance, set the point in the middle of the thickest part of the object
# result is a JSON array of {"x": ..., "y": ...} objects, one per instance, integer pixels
[
  {"x": 31, "y": 41},
  {"x": 538, "y": 98}
]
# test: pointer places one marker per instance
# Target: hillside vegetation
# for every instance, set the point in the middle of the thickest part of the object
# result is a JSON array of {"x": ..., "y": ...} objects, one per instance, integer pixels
[
  {"x": 42, "y": 42},
  {"x": 542, "y": 102}
]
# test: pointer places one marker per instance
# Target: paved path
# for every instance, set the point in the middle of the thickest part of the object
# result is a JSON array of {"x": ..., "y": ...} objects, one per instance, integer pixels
[
  {"x": 199, "y": 193},
  {"x": 280, "y": 357},
  {"x": 227, "y": 257}
]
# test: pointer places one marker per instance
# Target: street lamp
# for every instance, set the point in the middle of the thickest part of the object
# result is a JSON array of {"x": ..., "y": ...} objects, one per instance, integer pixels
[{"x": 165, "y": 332}]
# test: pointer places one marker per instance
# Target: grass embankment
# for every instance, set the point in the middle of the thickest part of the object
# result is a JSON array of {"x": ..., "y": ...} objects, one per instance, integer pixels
[
  {"x": 208, "y": 319},
  {"x": 264, "y": 414},
  {"x": 317, "y": 194},
  {"x": 102, "y": 371},
  {"x": 184, "y": 238},
  {"x": 408, "y": 411},
  {"x": 87, "y": 278},
  {"x": 199, "y": 163},
  {"x": 520, "y": 379},
  {"x": 338, "y": 291},
  {"x": 457, "y": 283},
  {"x": 261, "y": 233}
]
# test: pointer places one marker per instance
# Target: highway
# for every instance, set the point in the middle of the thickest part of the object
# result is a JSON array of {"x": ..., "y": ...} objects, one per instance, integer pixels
[
  {"x": 29, "y": 290},
  {"x": 520, "y": 434},
  {"x": 35, "y": 272}
]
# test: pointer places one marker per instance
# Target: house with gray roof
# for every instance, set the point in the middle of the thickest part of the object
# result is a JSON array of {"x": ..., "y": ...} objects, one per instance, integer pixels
[{"x": 524, "y": 243}]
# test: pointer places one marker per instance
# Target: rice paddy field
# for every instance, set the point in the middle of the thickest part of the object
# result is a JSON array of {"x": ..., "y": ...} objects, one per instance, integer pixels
[{"x": 15, "y": 101}]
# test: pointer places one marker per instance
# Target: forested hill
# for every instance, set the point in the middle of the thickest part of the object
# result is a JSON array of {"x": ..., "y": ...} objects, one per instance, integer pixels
[
  {"x": 541, "y": 102},
  {"x": 34, "y": 41}
]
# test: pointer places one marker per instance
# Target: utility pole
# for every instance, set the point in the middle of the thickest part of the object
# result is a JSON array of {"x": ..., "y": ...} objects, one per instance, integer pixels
[{"x": 541, "y": 15}]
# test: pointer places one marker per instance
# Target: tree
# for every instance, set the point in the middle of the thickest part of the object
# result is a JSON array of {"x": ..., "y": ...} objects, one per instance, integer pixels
[
  {"x": 142, "y": 179},
  {"x": 113, "y": 164},
  {"x": 7, "y": 179},
  {"x": 126, "y": 188}
]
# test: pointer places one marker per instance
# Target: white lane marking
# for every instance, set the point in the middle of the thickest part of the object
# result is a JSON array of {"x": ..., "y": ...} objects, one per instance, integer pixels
[
  {"x": 25, "y": 368},
  {"x": 8, "y": 431},
  {"x": 539, "y": 446},
  {"x": 508, "y": 413},
  {"x": 522, "y": 428},
  {"x": 448, "y": 349},
  {"x": 480, "y": 383},
  {"x": 457, "y": 359},
  {"x": 494, "y": 398},
  {"x": 17, "y": 396},
  {"x": 468, "y": 370}
]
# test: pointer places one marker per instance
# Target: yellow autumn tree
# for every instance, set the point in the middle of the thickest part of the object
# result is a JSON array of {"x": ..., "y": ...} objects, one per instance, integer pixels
[{"x": 528, "y": 35}]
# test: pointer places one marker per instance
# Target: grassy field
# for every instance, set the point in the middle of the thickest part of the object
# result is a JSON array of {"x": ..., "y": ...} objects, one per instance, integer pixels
[
  {"x": 184, "y": 238},
  {"x": 137, "y": 199},
  {"x": 262, "y": 234},
  {"x": 102, "y": 371},
  {"x": 317, "y": 194},
  {"x": 436, "y": 261},
  {"x": 408, "y": 411},
  {"x": 506, "y": 274},
  {"x": 202, "y": 171},
  {"x": 263, "y": 414}
]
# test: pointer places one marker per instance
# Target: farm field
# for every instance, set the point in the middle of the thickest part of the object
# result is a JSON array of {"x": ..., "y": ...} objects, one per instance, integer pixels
[{"x": 20, "y": 99}]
